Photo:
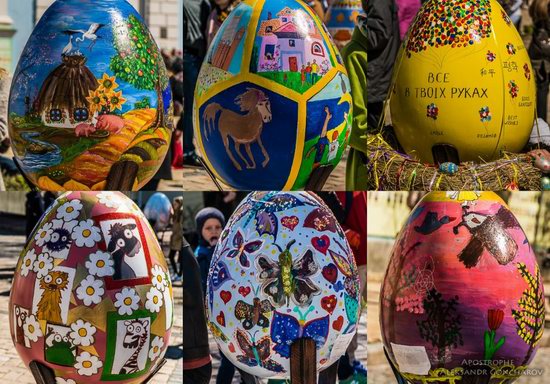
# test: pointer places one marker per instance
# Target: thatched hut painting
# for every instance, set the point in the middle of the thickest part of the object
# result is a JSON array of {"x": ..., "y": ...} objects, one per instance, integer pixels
[{"x": 62, "y": 99}]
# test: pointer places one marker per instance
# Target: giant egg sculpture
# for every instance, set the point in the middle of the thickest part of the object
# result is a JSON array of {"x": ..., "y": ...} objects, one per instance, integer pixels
[
  {"x": 90, "y": 106},
  {"x": 91, "y": 296},
  {"x": 282, "y": 270},
  {"x": 464, "y": 88},
  {"x": 341, "y": 20},
  {"x": 462, "y": 294},
  {"x": 273, "y": 101}
]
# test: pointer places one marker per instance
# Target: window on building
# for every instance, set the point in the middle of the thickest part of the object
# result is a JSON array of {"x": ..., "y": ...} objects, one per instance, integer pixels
[
  {"x": 291, "y": 43},
  {"x": 284, "y": 19},
  {"x": 269, "y": 29},
  {"x": 56, "y": 115},
  {"x": 163, "y": 32},
  {"x": 317, "y": 49},
  {"x": 81, "y": 114},
  {"x": 269, "y": 51}
]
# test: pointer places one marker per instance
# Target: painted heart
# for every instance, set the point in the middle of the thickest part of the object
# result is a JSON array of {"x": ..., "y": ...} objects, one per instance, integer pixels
[
  {"x": 337, "y": 325},
  {"x": 290, "y": 222},
  {"x": 330, "y": 272},
  {"x": 221, "y": 319},
  {"x": 321, "y": 244},
  {"x": 244, "y": 291},
  {"x": 226, "y": 296},
  {"x": 328, "y": 303},
  {"x": 231, "y": 347}
]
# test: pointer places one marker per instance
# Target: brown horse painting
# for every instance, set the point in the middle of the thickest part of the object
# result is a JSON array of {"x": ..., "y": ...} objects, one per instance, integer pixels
[{"x": 243, "y": 129}]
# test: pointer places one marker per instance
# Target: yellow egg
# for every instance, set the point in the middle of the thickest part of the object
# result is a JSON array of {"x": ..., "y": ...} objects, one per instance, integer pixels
[{"x": 464, "y": 88}]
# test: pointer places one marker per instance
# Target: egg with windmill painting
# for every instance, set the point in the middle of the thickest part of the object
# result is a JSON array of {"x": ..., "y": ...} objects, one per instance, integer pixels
[
  {"x": 464, "y": 88},
  {"x": 273, "y": 106},
  {"x": 90, "y": 106},
  {"x": 92, "y": 300},
  {"x": 282, "y": 270},
  {"x": 462, "y": 292}
]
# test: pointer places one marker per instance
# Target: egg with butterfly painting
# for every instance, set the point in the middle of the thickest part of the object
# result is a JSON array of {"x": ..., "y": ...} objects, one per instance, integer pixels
[
  {"x": 282, "y": 270},
  {"x": 463, "y": 261},
  {"x": 92, "y": 299}
]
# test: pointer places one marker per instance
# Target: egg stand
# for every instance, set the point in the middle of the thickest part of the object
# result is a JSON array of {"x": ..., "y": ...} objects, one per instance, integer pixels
[
  {"x": 45, "y": 375},
  {"x": 316, "y": 181}
]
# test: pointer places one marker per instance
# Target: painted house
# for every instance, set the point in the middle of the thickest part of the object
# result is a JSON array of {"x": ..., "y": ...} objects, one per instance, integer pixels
[{"x": 289, "y": 42}]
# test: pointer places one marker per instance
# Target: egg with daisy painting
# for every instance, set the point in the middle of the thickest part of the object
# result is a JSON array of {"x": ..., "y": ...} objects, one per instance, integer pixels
[{"x": 92, "y": 299}]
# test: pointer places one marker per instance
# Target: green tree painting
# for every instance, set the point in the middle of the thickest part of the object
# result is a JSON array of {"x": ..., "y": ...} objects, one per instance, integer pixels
[{"x": 138, "y": 61}]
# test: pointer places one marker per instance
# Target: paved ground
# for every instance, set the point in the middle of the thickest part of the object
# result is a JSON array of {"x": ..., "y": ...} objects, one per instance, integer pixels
[
  {"x": 12, "y": 368},
  {"x": 380, "y": 371}
]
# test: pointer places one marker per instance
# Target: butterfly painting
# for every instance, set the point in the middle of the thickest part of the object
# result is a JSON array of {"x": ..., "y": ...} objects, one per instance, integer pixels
[
  {"x": 219, "y": 274},
  {"x": 252, "y": 315},
  {"x": 217, "y": 332},
  {"x": 286, "y": 280},
  {"x": 242, "y": 249},
  {"x": 256, "y": 353},
  {"x": 285, "y": 329}
]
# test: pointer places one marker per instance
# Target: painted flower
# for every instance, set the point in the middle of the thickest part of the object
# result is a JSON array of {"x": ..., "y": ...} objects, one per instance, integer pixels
[
  {"x": 107, "y": 83},
  {"x": 82, "y": 333},
  {"x": 60, "y": 380},
  {"x": 494, "y": 318},
  {"x": 527, "y": 71},
  {"x": 28, "y": 261},
  {"x": 513, "y": 89},
  {"x": 43, "y": 234},
  {"x": 156, "y": 347},
  {"x": 432, "y": 111},
  {"x": 159, "y": 278},
  {"x": 87, "y": 364},
  {"x": 95, "y": 100},
  {"x": 116, "y": 100},
  {"x": 109, "y": 199},
  {"x": 491, "y": 56},
  {"x": 90, "y": 291},
  {"x": 485, "y": 115},
  {"x": 31, "y": 328},
  {"x": 100, "y": 264},
  {"x": 42, "y": 265},
  {"x": 70, "y": 210},
  {"x": 85, "y": 234},
  {"x": 60, "y": 240},
  {"x": 154, "y": 300},
  {"x": 127, "y": 301},
  {"x": 511, "y": 49}
]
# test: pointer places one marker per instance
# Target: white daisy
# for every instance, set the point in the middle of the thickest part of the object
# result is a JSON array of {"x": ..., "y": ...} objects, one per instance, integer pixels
[
  {"x": 42, "y": 265},
  {"x": 109, "y": 199},
  {"x": 31, "y": 328},
  {"x": 100, "y": 264},
  {"x": 70, "y": 210},
  {"x": 85, "y": 234},
  {"x": 156, "y": 347},
  {"x": 90, "y": 291},
  {"x": 27, "y": 263},
  {"x": 87, "y": 364},
  {"x": 159, "y": 278},
  {"x": 154, "y": 300},
  {"x": 43, "y": 234},
  {"x": 59, "y": 243},
  {"x": 60, "y": 380},
  {"x": 127, "y": 301},
  {"x": 82, "y": 333}
]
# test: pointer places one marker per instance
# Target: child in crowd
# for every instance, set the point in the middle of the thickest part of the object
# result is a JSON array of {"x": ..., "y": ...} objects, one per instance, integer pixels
[{"x": 210, "y": 222}]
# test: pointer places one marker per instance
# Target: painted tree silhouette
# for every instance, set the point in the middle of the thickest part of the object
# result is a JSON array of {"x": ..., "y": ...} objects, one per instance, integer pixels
[
  {"x": 138, "y": 61},
  {"x": 442, "y": 326},
  {"x": 530, "y": 315}
]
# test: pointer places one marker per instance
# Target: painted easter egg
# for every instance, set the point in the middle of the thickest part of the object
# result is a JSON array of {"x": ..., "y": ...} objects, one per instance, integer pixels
[
  {"x": 273, "y": 102},
  {"x": 92, "y": 298},
  {"x": 157, "y": 210},
  {"x": 545, "y": 183},
  {"x": 448, "y": 168},
  {"x": 341, "y": 18},
  {"x": 464, "y": 88},
  {"x": 283, "y": 269},
  {"x": 90, "y": 106},
  {"x": 462, "y": 292}
]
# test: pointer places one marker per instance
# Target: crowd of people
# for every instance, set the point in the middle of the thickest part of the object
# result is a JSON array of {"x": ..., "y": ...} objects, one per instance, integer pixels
[{"x": 349, "y": 209}]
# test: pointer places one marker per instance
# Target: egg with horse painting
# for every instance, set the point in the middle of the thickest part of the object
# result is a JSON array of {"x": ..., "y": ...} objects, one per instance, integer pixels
[
  {"x": 341, "y": 20},
  {"x": 272, "y": 102},
  {"x": 462, "y": 292},
  {"x": 464, "y": 88},
  {"x": 92, "y": 299},
  {"x": 90, "y": 106},
  {"x": 282, "y": 270}
]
